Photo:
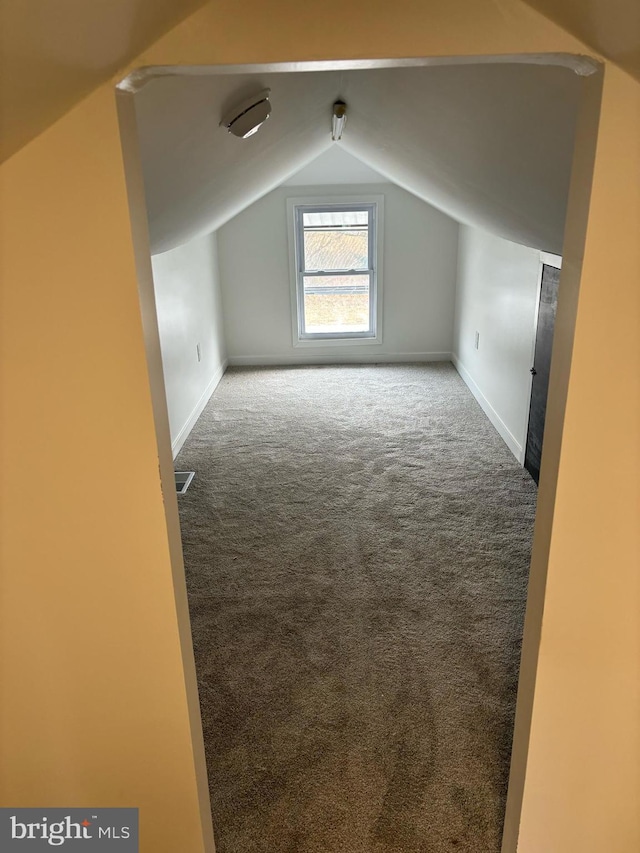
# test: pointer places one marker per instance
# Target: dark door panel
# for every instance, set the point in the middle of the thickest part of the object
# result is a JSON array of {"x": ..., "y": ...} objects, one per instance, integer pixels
[{"x": 541, "y": 368}]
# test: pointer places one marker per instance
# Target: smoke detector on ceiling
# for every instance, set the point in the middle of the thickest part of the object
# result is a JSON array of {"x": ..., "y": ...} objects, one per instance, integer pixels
[{"x": 248, "y": 116}]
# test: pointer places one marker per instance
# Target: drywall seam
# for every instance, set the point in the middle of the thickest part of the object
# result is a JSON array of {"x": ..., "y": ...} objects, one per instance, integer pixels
[
  {"x": 182, "y": 436},
  {"x": 505, "y": 433}
]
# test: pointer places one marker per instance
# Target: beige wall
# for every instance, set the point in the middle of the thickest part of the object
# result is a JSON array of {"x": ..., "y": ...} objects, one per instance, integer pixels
[
  {"x": 582, "y": 786},
  {"x": 95, "y": 704}
]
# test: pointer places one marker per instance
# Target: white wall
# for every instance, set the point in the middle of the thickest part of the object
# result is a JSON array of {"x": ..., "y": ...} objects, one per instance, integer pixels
[
  {"x": 496, "y": 295},
  {"x": 419, "y": 271},
  {"x": 189, "y": 306}
]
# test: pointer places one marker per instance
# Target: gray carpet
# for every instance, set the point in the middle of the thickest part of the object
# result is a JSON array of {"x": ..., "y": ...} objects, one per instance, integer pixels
[{"x": 357, "y": 542}]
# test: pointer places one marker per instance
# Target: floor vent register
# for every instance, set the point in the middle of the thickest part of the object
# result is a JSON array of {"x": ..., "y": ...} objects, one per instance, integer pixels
[{"x": 183, "y": 480}]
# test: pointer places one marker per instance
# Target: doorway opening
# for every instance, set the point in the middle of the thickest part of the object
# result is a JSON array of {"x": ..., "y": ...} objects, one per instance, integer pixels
[{"x": 155, "y": 357}]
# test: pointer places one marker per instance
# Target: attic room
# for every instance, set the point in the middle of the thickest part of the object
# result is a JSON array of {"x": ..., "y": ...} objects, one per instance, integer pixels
[
  {"x": 101, "y": 700},
  {"x": 454, "y": 180},
  {"x": 486, "y": 148}
]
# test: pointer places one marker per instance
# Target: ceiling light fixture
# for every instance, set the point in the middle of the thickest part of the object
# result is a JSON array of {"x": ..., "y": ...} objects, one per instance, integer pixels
[
  {"x": 248, "y": 117},
  {"x": 338, "y": 120}
]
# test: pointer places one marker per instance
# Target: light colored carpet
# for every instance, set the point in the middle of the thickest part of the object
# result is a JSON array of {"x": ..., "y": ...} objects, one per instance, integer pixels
[{"x": 357, "y": 542}]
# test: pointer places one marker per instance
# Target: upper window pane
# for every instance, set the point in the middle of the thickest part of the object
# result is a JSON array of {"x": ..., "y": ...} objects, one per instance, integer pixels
[{"x": 336, "y": 240}]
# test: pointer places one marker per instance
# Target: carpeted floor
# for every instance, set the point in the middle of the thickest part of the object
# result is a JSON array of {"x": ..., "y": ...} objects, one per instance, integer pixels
[{"x": 357, "y": 542}]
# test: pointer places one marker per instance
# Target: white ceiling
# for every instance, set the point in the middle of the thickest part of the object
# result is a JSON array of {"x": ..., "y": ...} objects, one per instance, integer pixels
[
  {"x": 197, "y": 175},
  {"x": 490, "y": 145},
  {"x": 54, "y": 53},
  {"x": 335, "y": 166}
]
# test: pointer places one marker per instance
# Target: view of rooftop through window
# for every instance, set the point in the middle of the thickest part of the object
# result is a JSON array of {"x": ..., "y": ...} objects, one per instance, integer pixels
[{"x": 335, "y": 278}]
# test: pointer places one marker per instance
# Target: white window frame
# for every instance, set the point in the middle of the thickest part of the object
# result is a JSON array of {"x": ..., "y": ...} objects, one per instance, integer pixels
[{"x": 295, "y": 207}]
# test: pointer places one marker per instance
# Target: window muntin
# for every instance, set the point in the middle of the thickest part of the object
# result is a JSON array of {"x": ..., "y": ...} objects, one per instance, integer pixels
[{"x": 335, "y": 271}]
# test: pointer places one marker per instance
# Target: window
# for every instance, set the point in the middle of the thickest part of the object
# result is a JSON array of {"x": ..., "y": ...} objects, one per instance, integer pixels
[{"x": 336, "y": 262}]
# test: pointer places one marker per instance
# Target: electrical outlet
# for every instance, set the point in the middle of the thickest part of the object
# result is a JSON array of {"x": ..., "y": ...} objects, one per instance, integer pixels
[
  {"x": 477, "y": 340},
  {"x": 198, "y": 351}
]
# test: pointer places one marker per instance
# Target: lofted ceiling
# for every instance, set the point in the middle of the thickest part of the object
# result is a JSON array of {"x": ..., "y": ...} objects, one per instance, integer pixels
[
  {"x": 490, "y": 145},
  {"x": 54, "y": 52},
  {"x": 612, "y": 27},
  {"x": 335, "y": 166},
  {"x": 197, "y": 175}
]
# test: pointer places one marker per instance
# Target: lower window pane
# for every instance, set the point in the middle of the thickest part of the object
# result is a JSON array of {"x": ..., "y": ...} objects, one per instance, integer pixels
[{"x": 336, "y": 304}]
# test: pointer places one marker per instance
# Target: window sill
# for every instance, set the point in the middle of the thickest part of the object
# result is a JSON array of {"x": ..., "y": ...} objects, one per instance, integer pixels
[{"x": 337, "y": 342}]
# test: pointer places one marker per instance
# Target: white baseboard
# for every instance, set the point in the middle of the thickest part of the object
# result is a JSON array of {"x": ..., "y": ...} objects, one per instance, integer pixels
[
  {"x": 505, "y": 433},
  {"x": 343, "y": 358},
  {"x": 179, "y": 440}
]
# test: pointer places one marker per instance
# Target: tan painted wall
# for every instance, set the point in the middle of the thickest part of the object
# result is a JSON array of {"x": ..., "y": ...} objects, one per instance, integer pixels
[
  {"x": 583, "y": 777},
  {"x": 611, "y": 26},
  {"x": 54, "y": 54},
  {"x": 95, "y": 704}
]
